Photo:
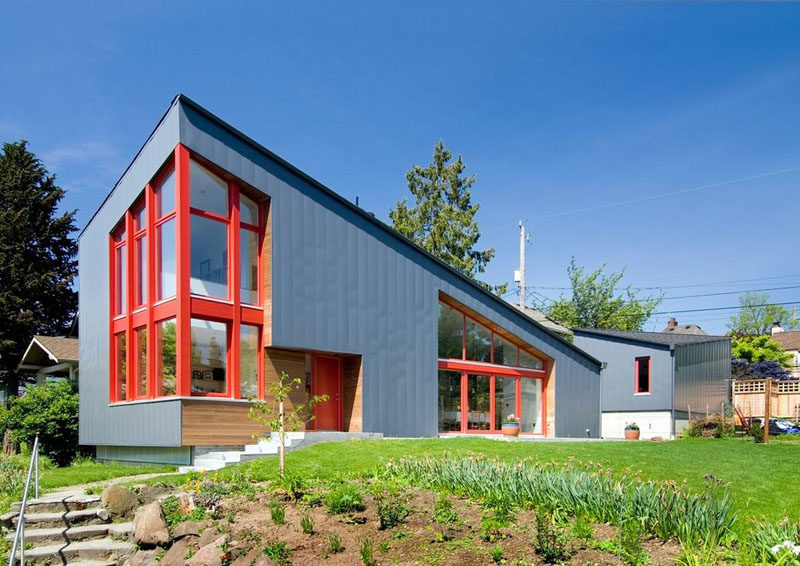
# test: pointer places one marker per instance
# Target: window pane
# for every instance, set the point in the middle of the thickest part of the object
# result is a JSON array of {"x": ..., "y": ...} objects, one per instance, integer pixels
[
  {"x": 505, "y": 353},
  {"x": 449, "y": 401},
  {"x": 165, "y": 196},
  {"x": 121, "y": 282},
  {"x": 478, "y": 415},
  {"x": 248, "y": 210},
  {"x": 643, "y": 375},
  {"x": 209, "y": 247},
  {"x": 165, "y": 342},
  {"x": 166, "y": 247},
  {"x": 505, "y": 400},
  {"x": 531, "y": 405},
  {"x": 479, "y": 342},
  {"x": 248, "y": 265},
  {"x": 139, "y": 219},
  {"x": 248, "y": 364},
  {"x": 120, "y": 353},
  {"x": 209, "y": 354},
  {"x": 208, "y": 192},
  {"x": 528, "y": 361},
  {"x": 451, "y": 332},
  {"x": 141, "y": 270},
  {"x": 140, "y": 336}
]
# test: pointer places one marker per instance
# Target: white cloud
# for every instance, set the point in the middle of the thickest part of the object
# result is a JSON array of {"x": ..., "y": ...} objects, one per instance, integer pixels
[{"x": 84, "y": 152}]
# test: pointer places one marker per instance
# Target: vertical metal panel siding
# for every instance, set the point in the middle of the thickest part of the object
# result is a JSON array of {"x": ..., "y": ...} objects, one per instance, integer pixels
[
  {"x": 618, "y": 376},
  {"x": 342, "y": 284},
  {"x": 702, "y": 376},
  {"x": 155, "y": 424}
]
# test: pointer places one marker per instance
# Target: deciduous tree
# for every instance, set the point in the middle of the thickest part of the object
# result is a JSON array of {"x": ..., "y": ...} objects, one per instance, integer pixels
[
  {"x": 756, "y": 315},
  {"x": 754, "y": 349}
]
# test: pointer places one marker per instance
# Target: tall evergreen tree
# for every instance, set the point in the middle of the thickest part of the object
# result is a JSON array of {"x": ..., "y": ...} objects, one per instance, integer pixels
[
  {"x": 37, "y": 257},
  {"x": 442, "y": 219}
]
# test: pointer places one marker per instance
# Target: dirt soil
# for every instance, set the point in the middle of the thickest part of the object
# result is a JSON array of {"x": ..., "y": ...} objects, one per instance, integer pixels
[{"x": 420, "y": 540}]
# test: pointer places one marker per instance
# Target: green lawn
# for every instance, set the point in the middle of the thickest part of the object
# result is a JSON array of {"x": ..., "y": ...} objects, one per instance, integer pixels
[{"x": 760, "y": 477}]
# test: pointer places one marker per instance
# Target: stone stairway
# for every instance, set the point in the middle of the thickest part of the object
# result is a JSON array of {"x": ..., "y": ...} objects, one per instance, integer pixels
[
  {"x": 70, "y": 527},
  {"x": 206, "y": 460}
]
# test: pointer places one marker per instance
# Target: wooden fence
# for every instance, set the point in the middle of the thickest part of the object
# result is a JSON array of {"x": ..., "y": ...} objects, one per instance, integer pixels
[{"x": 749, "y": 397}]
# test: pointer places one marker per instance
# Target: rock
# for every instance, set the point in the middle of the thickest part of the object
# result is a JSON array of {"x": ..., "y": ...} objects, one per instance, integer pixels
[
  {"x": 118, "y": 501},
  {"x": 209, "y": 535},
  {"x": 188, "y": 528},
  {"x": 149, "y": 493},
  {"x": 143, "y": 558},
  {"x": 149, "y": 527},
  {"x": 176, "y": 555},
  {"x": 248, "y": 558},
  {"x": 262, "y": 560},
  {"x": 187, "y": 503},
  {"x": 209, "y": 555}
]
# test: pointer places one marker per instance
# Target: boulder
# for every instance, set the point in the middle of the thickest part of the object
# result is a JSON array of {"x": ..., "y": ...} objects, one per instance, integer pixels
[
  {"x": 176, "y": 555},
  {"x": 209, "y": 535},
  {"x": 149, "y": 527},
  {"x": 248, "y": 558},
  {"x": 143, "y": 558},
  {"x": 188, "y": 528},
  {"x": 209, "y": 555},
  {"x": 149, "y": 493},
  {"x": 118, "y": 501},
  {"x": 262, "y": 560}
]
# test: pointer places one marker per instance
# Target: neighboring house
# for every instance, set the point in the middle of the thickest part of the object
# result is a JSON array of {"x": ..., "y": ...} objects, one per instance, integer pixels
[
  {"x": 548, "y": 323},
  {"x": 50, "y": 357},
  {"x": 213, "y": 265},
  {"x": 790, "y": 342},
  {"x": 656, "y": 379},
  {"x": 674, "y": 328}
]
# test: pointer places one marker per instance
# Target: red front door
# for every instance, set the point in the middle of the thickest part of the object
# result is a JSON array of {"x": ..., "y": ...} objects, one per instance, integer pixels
[{"x": 326, "y": 379}]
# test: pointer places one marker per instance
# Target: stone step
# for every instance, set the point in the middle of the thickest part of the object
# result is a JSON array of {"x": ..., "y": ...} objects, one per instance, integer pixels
[
  {"x": 93, "y": 516},
  {"x": 102, "y": 551},
  {"x": 53, "y": 504},
  {"x": 55, "y": 535}
]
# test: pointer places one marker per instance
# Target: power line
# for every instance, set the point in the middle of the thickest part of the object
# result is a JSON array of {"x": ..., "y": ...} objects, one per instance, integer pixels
[
  {"x": 726, "y": 308},
  {"x": 684, "y": 286},
  {"x": 732, "y": 292}
]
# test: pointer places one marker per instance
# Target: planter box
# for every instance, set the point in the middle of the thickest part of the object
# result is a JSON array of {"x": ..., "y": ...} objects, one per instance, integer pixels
[{"x": 510, "y": 429}]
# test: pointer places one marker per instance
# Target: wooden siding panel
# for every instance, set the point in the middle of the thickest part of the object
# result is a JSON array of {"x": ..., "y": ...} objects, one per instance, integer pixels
[
  {"x": 352, "y": 393},
  {"x": 216, "y": 423},
  {"x": 294, "y": 364}
]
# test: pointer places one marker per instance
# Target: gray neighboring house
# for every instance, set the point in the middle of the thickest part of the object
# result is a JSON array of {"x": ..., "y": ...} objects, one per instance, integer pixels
[{"x": 656, "y": 378}]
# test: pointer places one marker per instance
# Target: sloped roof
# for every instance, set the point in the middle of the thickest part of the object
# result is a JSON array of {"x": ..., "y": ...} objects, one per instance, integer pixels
[
  {"x": 658, "y": 338},
  {"x": 685, "y": 329},
  {"x": 788, "y": 340},
  {"x": 51, "y": 350},
  {"x": 548, "y": 323}
]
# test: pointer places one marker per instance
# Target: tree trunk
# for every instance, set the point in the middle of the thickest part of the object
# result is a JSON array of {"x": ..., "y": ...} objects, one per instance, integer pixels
[
  {"x": 282, "y": 436},
  {"x": 9, "y": 446}
]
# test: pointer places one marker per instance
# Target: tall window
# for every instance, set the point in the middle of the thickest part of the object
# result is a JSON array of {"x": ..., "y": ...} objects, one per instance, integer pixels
[
  {"x": 195, "y": 231},
  {"x": 642, "y": 366}
]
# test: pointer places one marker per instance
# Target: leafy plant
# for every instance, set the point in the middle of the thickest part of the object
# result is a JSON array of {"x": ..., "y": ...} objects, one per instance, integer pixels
[
  {"x": 335, "y": 543},
  {"x": 277, "y": 512},
  {"x": 630, "y": 543},
  {"x": 497, "y": 554},
  {"x": 278, "y": 551},
  {"x": 582, "y": 528},
  {"x": 444, "y": 511},
  {"x": 391, "y": 513},
  {"x": 293, "y": 484},
  {"x": 344, "y": 498},
  {"x": 171, "y": 507},
  {"x": 551, "y": 543},
  {"x": 383, "y": 547},
  {"x": 307, "y": 524},
  {"x": 366, "y": 552}
]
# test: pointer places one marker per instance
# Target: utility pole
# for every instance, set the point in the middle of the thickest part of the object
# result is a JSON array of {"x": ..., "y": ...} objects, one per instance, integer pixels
[{"x": 519, "y": 274}]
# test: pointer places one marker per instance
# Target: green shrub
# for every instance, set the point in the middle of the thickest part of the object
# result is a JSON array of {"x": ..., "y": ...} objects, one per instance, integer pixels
[
  {"x": 335, "y": 544},
  {"x": 278, "y": 551},
  {"x": 630, "y": 543},
  {"x": 551, "y": 543},
  {"x": 712, "y": 426},
  {"x": 307, "y": 524},
  {"x": 366, "y": 552},
  {"x": 444, "y": 512},
  {"x": 582, "y": 528},
  {"x": 293, "y": 484},
  {"x": 277, "y": 512},
  {"x": 391, "y": 513},
  {"x": 51, "y": 410},
  {"x": 497, "y": 554},
  {"x": 171, "y": 506},
  {"x": 344, "y": 498}
]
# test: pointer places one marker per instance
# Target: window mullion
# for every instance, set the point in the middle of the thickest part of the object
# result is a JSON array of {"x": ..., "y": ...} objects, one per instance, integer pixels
[
  {"x": 153, "y": 377},
  {"x": 234, "y": 291},
  {"x": 130, "y": 350}
]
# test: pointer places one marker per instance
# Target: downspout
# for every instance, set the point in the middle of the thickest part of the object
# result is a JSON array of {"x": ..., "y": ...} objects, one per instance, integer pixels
[
  {"x": 672, "y": 400},
  {"x": 603, "y": 366}
]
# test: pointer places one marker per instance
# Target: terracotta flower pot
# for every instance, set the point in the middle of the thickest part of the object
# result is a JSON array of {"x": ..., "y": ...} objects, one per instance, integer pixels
[
  {"x": 632, "y": 434},
  {"x": 510, "y": 429}
]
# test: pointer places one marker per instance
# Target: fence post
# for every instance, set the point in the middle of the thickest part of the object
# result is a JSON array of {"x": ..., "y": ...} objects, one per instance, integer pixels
[{"x": 767, "y": 408}]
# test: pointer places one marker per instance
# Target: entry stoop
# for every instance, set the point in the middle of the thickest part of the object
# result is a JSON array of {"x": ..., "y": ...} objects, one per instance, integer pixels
[{"x": 212, "y": 458}]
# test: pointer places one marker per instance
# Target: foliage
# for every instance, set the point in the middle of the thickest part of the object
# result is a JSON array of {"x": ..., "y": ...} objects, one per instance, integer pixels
[
  {"x": 335, "y": 543},
  {"x": 278, "y": 551},
  {"x": 595, "y": 302},
  {"x": 760, "y": 348},
  {"x": 276, "y": 417},
  {"x": 712, "y": 426},
  {"x": 49, "y": 410},
  {"x": 631, "y": 426},
  {"x": 293, "y": 484},
  {"x": 769, "y": 543},
  {"x": 551, "y": 542},
  {"x": 741, "y": 369},
  {"x": 171, "y": 506},
  {"x": 37, "y": 257},
  {"x": 630, "y": 542},
  {"x": 344, "y": 498},
  {"x": 391, "y": 512},
  {"x": 582, "y": 528},
  {"x": 366, "y": 552},
  {"x": 444, "y": 512},
  {"x": 307, "y": 524},
  {"x": 277, "y": 512},
  {"x": 442, "y": 219},
  {"x": 756, "y": 315},
  {"x": 664, "y": 510},
  {"x": 496, "y": 554}
]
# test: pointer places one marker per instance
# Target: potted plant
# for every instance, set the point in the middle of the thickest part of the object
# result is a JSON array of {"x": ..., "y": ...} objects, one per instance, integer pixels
[
  {"x": 511, "y": 425},
  {"x": 632, "y": 431}
]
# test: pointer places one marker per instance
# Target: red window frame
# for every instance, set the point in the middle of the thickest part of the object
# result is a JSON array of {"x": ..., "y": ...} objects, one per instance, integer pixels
[
  {"x": 183, "y": 305},
  {"x": 490, "y": 369},
  {"x": 637, "y": 364}
]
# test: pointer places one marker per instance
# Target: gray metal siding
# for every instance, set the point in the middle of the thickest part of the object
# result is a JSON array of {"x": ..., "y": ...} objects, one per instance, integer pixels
[
  {"x": 156, "y": 424},
  {"x": 342, "y": 284},
  {"x": 618, "y": 376},
  {"x": 702, "y": 376},
  {"x": 178, "y": 456}
]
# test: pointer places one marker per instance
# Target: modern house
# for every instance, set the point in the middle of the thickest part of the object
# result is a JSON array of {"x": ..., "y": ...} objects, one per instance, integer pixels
[
  {"x": 213, "y": 265},
  {"x": 658, "y": 379}
]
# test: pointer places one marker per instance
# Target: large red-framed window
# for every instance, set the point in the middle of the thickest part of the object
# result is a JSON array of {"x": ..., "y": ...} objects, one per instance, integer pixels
[
  {"x": 485, "y": 376},
  {"x": 186, "y": 287}
]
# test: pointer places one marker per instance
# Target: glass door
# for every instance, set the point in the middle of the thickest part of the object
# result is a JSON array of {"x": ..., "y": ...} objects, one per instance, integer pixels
[
  {"x": 478, "y": 402},
  {"x": 505, "y": 399},
  {"x": 531, "y": 405},
  {"x": 449, "y": 401}
]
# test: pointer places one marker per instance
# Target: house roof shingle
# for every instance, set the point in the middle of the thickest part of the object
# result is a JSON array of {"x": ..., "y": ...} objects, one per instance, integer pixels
[
  {"x": 788, "y": 340},
  {"x": 65, "y": 349},
  {"x": 659, "y": 338}
]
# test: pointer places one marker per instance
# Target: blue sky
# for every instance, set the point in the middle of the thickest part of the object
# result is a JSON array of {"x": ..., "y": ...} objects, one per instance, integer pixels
[{"x": 555, "y": 108}]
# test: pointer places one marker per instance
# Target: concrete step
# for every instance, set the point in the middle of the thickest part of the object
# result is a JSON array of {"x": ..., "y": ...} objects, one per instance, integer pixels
[
  {"x": 60, "y": 503},
  {"x": 228, "y": 456},
  {"x": 103, "y": 551},
  {"x": 56, "y": 535},
  {"x": 93, "y": 516}
]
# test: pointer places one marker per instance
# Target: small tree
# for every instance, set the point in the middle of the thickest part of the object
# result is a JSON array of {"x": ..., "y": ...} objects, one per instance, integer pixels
[
  {"x": 753, "y": 349},
  {"x": 757, "y": 315},
  {"x": 274, "y": 416}
]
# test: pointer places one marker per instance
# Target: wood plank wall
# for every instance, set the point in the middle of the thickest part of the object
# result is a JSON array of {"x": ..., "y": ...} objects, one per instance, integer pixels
[
  {"x": 351, "y": 366},
  {"x": 294, "y": 364},
  {"x": 266, "y": 260},
  {"x": 216, "y": 423},
  {"x": 550, "y": 389}
]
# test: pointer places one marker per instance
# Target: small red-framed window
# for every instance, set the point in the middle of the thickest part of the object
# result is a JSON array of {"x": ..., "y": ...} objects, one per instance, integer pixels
[
  {"x": 642, "y": 375},
  {"x": 119, "y": 270},
  {"x": 139, "y": 213},
  {"x": 164, "y": 342},
  {"x": 140, "y": 362},
  {"x": 119, "y": 373}
]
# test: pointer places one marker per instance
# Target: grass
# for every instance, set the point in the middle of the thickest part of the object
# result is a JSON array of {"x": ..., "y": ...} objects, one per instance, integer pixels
[{"x": 759, "y": 477}]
